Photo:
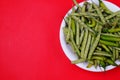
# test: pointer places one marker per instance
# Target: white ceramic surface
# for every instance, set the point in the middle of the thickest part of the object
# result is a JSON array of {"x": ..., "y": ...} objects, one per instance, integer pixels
[{"x": 68, "y": 51}]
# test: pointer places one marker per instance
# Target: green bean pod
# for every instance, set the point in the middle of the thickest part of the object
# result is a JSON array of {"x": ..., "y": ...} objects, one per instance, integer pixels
[
  {"x": 109, "y": 43},
  {"x": 69, "y": 28},
  {"x": 102, "y": 53},
  {"x": 87, "y": 46},
  {"x": 73, "y": 26},
  {"x": 75, "y": 46},
  {"x": 84, "y": 43},
  {"x": 77, "y": 61},
  {"x": 98, "y": 58},
  {"x": 75, "y": 2},
  {"x": 110, "y": 38},
  {"x": 105, "y": 47},
  {"x": 77, "y": 33},
  {"x": 104, "y": 7},
  {"x": 112, "y": 15},
  {"x": 117, "y": 54},
  {"x": 83, "y": 24},
  {"x": 114, "y": 30},
  {"x": 99, "y": 13},
  {"x": 94, "y": 46},
  {"x": 111, "y": 62},
  {"x": 81, "y": 37}
]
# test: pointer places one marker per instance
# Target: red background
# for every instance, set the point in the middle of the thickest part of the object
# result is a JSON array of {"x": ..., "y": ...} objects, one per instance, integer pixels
[{"x": 29, "y": 42}]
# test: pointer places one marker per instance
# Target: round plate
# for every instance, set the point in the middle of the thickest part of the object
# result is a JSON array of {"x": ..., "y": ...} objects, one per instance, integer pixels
[{"x": 69, "y": 52}]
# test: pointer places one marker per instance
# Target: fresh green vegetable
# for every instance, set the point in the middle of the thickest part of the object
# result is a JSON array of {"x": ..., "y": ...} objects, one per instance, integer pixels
[
  {"x": 102, "y": 53},
  {"x": 84, "y": 44},
  {"x": 92, "y": 49},
  {"x": 104, "y": 7},
  {"x": 99, "y": 13},
  {"x": 87, "y": 46},
  {"x": 78, "y": 61},
  {"x": 109, "y": 43},
  {"x": 93, "y": 32}
]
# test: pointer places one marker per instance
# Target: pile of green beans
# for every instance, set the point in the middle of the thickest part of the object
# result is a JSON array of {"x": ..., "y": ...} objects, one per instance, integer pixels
[{"x": 93, "y": 32}]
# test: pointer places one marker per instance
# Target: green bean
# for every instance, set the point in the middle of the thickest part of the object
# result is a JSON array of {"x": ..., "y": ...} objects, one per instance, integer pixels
[
  {"x": 99, "y": 13},
  {"x": 105, "y": 7},
  {"x": 66, "y": 21},
  {"x": 83, "y": 24},
  {"x": 109, "y": 43},
  {"x": 101, "y": 9},
  {"x": 117, "y": 54},
  {"x": 77, "y": 33},
  {"x": 96, "y": 63},
  {"x": 84, "y": 43},
  {"x": 89, "y": 65},
  {"x": 75, "y": 2},
  {"x": 112, "y": 15},
  {"x": 84, "y": 14},
  {"x": 82, "y": 17},
  {"x": 73, "y": 26},
  {"x": 78, "y": 10},
  {"x": 110, "y": 38},
  {"x": 119, "y": 33},
  {"x": 87, "y": 46},
  {"x": 90, "y": 7},
  {"x": 73, "y": 10},
  {"x": 105, "y": 47},
  {"x": 95, "y": 19},
  {"x": 83, "y": 8},
  {"x": 110, "y": 35},
  {"x": 65, "y": 31},
  {"x": 91, "y": 61},
  {"x": 116, "y": 48},
  {"x": 114, "y": 24},
  {"x": 98, "y": 48},
  {"x": 92, "y": 40},
  {"x": 94, "y": 46},
  {"x": 96, "y": 27},
  {"x": 98, "y": 58},
  {"x": 75, "y": 46},
  {"x": 111, "y": 48},
  {"x": 102, "y": 53},
  {"x": 114, "y": 54},
  {"x": 81, "y": 37},
  {"x": 114, "y": 30},
  {"x": 111, "y": 62},
  {"x": 86, "y": 5},
  {"x": 68, "y": 34},
  {"x": 100, "y": 28},
  {"x": 78, "y": 61},
  {"x": 92, "y": 10}
]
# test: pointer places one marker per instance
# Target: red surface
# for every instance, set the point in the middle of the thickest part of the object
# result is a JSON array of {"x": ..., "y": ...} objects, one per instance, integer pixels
[{"x": 29, "y": 42}]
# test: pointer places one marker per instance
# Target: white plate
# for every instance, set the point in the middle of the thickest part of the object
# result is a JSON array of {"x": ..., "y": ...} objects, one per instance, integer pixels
[{"x": 68, "y": 51}]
